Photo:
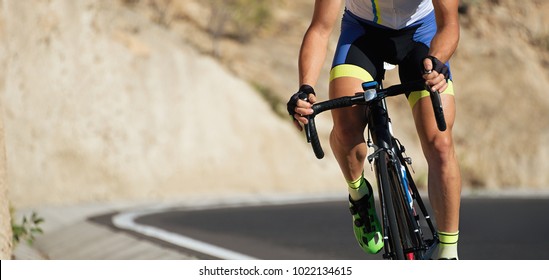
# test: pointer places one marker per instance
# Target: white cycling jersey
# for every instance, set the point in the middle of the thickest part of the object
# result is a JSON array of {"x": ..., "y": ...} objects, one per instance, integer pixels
[{"x": 395, "y": 14}]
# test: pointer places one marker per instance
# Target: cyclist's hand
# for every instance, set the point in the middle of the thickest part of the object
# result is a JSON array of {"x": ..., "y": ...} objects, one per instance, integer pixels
[
  {"x": 435, "y": 74},
  {"x": 300, "y": 105}
]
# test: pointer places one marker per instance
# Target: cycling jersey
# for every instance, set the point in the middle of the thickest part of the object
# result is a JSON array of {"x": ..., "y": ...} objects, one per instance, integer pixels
[{"x": 395, "y": 14}]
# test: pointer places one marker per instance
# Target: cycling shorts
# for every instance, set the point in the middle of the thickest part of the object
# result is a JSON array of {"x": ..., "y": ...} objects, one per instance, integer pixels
[{"x": 364, "y": 46}]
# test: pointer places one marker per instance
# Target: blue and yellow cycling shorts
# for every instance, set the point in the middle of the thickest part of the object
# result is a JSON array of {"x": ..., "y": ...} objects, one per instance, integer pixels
[{"x": 364, "y": 46}]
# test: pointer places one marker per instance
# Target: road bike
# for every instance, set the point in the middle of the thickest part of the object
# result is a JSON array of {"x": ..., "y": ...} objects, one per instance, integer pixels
[{"x": 408, "y": 234}]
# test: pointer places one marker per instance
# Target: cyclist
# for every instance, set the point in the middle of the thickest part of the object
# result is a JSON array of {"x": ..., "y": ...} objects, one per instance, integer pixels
[{"x": 419, "y": 36}]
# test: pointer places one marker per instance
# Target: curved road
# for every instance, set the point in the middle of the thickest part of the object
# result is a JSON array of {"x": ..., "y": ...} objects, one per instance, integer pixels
[{"x": 491, "y": 229}]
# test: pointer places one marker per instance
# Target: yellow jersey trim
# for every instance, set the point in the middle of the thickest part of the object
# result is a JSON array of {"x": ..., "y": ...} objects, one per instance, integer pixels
[
  {"x": 349, "y": 70},
  {"x": 415, "y": 96}
]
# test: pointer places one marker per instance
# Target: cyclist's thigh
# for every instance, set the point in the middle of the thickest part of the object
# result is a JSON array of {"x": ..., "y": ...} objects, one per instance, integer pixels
[
  {"x": 411, "y": 67},
  {"x": 358, "y": 53},
  {"x": 425, "y": 121},
  {"x": 355, "y": 61},
  {"x": 351, "y": 119},
  {"x": 422, "y": 107}
]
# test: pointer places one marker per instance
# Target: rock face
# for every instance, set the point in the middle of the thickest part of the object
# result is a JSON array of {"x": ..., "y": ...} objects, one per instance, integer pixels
[{"x": 100, "y": 104}]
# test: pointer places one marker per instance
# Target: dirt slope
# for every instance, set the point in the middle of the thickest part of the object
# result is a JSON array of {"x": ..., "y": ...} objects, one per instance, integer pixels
[
  {"x": 501, "y": 70},
  {"x": 100, "y": 104}
]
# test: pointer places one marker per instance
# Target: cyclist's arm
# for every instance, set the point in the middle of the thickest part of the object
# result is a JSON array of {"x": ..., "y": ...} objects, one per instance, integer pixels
[
  {"x": 315, "y": 42},
  {"x": 446, "y": 39},
  {"x": 444, "y": 42}
]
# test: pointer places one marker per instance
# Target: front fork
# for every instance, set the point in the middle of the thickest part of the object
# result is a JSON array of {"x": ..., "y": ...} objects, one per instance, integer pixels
[{"x": 409, "y": 191}]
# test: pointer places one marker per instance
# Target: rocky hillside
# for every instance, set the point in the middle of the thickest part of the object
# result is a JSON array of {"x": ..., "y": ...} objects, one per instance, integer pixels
[
  {"x": 141, "y": 99},
  {"x": 500, "y": 69}
]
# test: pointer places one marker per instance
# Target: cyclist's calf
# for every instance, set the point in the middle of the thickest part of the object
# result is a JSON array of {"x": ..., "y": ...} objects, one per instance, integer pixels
[{"x": 349, "y": 148}]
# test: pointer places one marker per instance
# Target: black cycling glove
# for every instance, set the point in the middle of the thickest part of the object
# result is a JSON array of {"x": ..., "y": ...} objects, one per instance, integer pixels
[
  {"x": 302, "y": 94},
  {"x": 439, "y": 66}
]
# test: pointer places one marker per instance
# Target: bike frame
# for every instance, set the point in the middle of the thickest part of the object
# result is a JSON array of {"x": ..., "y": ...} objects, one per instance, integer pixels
[
  {"x": 403, "y": 232},
  {"x": 399, "y": 196}
]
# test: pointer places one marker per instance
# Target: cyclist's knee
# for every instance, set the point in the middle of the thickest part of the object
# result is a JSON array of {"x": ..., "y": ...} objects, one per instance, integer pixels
[
  {"x": 440, "y": 150},
  {"x": 347, "y": 135},
  {"x": 349, "y": 125}
]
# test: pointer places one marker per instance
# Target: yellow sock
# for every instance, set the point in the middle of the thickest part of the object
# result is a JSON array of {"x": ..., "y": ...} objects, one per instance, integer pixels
[
  {"x": 447, "y": 248},
  {"x": 358, "y": 188}
]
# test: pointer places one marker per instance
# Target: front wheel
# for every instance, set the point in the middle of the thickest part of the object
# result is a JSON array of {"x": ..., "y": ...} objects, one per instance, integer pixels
[
  {"x": 403, "y": 203},
  {"x": 391, "y": 234}
]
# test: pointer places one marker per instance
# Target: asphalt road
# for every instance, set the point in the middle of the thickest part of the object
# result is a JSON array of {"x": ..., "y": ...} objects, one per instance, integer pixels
[{"x": 491, "y": 229}]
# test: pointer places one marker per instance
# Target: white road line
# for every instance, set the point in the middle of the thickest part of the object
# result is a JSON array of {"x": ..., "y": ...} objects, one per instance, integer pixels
[{"x": 127, "y": 221}]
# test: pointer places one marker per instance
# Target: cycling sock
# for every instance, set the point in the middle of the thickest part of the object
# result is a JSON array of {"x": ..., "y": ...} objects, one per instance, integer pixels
[
  {"x": 358, "y": 188},
  {"x": 447, "y": 248}
]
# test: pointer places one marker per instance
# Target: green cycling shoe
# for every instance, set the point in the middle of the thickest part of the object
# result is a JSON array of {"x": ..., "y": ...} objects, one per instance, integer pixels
[{"x": 366, "y": 225}]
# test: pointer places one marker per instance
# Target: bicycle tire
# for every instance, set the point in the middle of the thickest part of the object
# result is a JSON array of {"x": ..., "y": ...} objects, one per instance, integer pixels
[
  {"x": 426, "y": 234},
  {"x": 404, "y": 213},
  {"x": 393, "y": 244}
]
